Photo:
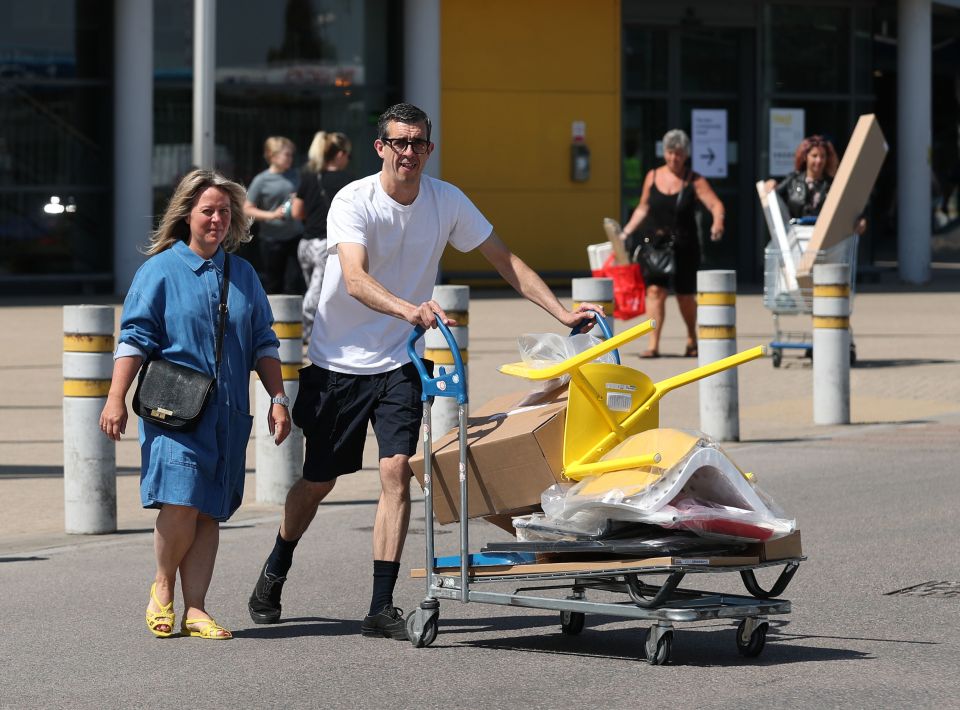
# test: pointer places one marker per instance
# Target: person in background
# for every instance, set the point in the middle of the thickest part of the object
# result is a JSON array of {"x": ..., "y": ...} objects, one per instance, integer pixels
[
  {"x": 667, "y": 205},
  {"x": 270, "y": 202},
  {"x": 805, "y": 189},
  {"x": 321, "y": 179},
  {"x": 196, "y": 478},
  {"x": 385, "y": 234}
]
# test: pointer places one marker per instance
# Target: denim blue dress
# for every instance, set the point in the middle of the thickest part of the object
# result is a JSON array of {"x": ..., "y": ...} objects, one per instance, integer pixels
[{"x": 171, "y": 310}]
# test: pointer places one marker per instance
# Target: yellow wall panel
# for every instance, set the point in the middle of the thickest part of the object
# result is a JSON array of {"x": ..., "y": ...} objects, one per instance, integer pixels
[
  {"x": 514, "y": 77},
  {"x": 526, "y": 140},
  {"x": 554, "y": 241},
  {"x": 509, "y": 45}
]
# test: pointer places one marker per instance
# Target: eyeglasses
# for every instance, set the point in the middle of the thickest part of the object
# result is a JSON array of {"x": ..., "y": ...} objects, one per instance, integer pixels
[{"x": 400, "y": 145}]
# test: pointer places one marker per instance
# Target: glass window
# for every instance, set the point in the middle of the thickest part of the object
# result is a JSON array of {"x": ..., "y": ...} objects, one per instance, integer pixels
[
  {"x": 645, "y": 59},
  {"x": 644, "y": 123},
  {"x": 710, "y": 60},
  {"x": 808, "y": 48}
]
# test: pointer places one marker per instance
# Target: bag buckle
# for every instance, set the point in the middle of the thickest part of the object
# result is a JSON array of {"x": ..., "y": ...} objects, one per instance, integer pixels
[{"x": 160, "y": 413}]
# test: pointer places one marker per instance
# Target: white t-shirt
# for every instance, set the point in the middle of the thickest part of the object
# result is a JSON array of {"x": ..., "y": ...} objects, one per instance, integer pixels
[{"x": 404, "y": 244}]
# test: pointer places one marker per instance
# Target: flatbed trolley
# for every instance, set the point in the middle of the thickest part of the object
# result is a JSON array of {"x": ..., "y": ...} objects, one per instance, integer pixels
[
  {"x": 785, "y": 294},
  {"x": 664, "y": 604}
]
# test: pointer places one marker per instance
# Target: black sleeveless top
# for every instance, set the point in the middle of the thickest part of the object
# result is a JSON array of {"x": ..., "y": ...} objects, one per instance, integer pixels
[{"x": 668, "y": 215}]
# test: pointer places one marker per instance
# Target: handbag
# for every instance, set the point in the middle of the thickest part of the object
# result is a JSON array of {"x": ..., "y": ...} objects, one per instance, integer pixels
[
  {"x": 656, "y": 253},
  {"x": 173, "y": 396}
]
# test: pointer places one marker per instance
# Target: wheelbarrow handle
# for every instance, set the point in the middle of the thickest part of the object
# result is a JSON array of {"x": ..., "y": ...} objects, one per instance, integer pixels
[
  {"x": 604, "y": 328},
  {"x": 446, "y": 384}
]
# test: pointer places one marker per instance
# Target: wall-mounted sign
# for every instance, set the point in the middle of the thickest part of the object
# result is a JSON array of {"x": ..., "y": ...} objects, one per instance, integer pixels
[
  {"x": 709, "y": 142},
  {"x": 786, "y": 132}
]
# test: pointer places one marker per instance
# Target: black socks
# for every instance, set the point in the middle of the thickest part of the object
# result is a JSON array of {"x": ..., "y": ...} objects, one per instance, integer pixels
[
  {"x": 279, "y": 561},
  {"x": 384, "y": 580}
]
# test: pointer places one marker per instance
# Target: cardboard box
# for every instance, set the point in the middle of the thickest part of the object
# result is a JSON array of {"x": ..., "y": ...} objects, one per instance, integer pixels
[
  {"x": 781, "y": 549},
  {"x": 514, "y": 453},
  {"x": 849, "y": 192}
]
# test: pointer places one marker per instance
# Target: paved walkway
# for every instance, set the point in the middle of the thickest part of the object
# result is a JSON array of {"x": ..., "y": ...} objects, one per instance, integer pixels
[{"x": 908, "y": 370}]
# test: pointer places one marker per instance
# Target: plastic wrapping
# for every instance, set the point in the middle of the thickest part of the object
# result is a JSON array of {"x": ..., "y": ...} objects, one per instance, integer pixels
[
  {"x": 539, "y": 350},
  {"x": 696, "y": 487}
]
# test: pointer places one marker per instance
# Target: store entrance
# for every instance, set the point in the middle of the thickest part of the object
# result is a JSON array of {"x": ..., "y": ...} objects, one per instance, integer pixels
[{"x": 669, "y": 72}]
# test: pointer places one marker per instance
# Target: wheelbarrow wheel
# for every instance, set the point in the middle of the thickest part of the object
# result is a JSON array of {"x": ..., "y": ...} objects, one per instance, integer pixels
[
  {"x": 658, "y": 651},
  {"x": 571, "y": 622},
  {"x": 426, "y": 636},
  {"x": 752, "y": 647}
]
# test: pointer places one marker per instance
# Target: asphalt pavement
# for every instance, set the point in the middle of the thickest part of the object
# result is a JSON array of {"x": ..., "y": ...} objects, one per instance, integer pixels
[{"x": 875, "y": 619}]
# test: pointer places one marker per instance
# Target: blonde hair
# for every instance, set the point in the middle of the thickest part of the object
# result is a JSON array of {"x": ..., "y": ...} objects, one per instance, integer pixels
[
  {"x": 173, "y": 225},
  {"x": 324, "y": 148},
  {"x": 274, "y": 144}
]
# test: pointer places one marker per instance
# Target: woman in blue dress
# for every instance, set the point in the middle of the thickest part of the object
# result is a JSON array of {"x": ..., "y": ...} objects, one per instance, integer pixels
[{"x": 196, "y": 478}]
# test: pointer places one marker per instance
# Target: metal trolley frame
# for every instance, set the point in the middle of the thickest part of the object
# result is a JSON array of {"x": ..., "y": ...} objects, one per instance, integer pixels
[{"x": 664, "y": 604}]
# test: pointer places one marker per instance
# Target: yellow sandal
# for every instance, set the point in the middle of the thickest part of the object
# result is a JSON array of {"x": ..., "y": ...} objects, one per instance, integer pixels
[
  {"x": 164, "y": 617},
  {"x": 210, "y": 630}
]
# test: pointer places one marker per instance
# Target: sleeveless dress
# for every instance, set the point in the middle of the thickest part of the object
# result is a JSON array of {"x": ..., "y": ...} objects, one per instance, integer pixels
[{"x": 668, "y": 215}]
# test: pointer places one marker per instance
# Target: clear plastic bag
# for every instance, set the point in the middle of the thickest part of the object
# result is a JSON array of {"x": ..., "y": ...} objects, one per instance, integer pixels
[
  {"x": 700, "y": 489},
  {"x": 539, "y": 350}
]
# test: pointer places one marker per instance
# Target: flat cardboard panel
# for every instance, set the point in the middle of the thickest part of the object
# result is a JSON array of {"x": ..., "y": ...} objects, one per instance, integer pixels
[
  {"x": 513, "y": 454},
  {"x": 593, "y": 566},
  {"x": 780, "y": 549},
  {"x": 851, "y": 187}
]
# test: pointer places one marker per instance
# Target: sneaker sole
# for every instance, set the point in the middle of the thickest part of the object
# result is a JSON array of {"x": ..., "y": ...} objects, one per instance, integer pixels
[{"x": 378, "y": 633}]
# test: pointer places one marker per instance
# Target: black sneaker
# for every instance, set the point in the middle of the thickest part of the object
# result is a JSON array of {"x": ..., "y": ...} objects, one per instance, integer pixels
[
  {"x": 264, "y": 604},
  {"x": 388, "y": 623}
]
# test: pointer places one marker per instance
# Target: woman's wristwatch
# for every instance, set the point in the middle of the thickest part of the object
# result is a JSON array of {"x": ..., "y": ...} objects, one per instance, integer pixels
[{"x": 282, "y": 400}]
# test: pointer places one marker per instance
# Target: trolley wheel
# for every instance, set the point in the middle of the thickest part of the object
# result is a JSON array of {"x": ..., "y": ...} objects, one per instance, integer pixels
[
  {"x": 853, "y": 354},
  {"x": 571, "y": 622},
  {"x": 427, "y": 636},
  {"x": 777, "y": 356},
  {"x": 758, "y": 639},
  {"x": 658, "y": 651}
]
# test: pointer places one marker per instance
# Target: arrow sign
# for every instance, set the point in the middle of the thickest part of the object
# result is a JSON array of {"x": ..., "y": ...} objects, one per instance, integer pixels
[{"x": 709, "y": 142}]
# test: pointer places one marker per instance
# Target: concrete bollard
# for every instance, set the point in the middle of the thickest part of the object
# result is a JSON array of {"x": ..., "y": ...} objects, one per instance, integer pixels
[
  {"x": 597, "y": 290},
  {"x": 717, "y": 339},
  {"x": 279, "y": 467},
  {"x": 831, "y": 344},
  {"x": 89, "y": 457},
  {"x": 455, "y": 302}
]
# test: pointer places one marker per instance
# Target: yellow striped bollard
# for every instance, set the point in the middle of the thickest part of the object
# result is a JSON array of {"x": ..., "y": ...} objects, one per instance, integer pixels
[
  {"x": 279, "y": 467},
  {"x": 89, "y": 457},
  {"x": 597, "y": 290},
  {"x": 455, "y": 302},
  {"x": 717, "y": 339},
  {"x": 831, "y": 344}
]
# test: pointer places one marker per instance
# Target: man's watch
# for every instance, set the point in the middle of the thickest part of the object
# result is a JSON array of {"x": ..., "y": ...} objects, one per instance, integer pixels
[{"x": 282, "y": 400}]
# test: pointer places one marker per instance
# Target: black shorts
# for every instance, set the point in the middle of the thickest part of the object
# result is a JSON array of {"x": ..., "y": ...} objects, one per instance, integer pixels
[{"x": 333, "y": 409}]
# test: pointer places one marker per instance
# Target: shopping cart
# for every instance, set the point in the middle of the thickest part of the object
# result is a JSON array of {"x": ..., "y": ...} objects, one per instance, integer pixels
[
  {"x": 563, "y": 585},
  {"x": 784, "y": 296}
]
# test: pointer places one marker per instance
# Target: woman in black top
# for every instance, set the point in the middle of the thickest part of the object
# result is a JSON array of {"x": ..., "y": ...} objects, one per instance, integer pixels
[
  {"x": 667, "y": 205},
  {"x": 804, "y": 190},
  {"x": 321, "y": 179}
]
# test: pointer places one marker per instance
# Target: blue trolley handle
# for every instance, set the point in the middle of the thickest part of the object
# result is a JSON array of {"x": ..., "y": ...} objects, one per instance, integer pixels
[
  {"x": 604, "y": 328},
  {"x": 446, "y": 384}
]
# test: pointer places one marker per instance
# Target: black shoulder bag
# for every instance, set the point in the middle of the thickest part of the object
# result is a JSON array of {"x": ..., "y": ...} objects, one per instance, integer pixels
[
  {"x": 656, "y": 253},
  {"x": 174, "y": 396}
]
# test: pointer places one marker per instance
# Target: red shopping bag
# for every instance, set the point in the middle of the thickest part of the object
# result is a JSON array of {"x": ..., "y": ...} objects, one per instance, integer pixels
[{"x": 628, "y": 288}]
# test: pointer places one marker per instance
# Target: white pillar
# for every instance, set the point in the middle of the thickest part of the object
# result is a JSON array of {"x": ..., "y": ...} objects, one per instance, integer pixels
[
  {"x": 279, "y": 467},
  {"x": 89, "y": 457},
  {"x": 831, "y": 344},
  {"x": 455, "y": 302},
  {"x": 914, "y": 102},
  {"x": 204, "y": 81},
  {"x": 596, "y": 290},
  {"x": 421, "y": 68},
  {"x": 132, "y": 136},
  {"x": 717, "y": 339}
]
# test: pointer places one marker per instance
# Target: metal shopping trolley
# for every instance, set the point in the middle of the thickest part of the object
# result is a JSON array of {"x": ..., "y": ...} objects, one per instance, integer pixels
[
  {"x": 785, "y": 293},
  {"x": 563, "y": 583}
]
